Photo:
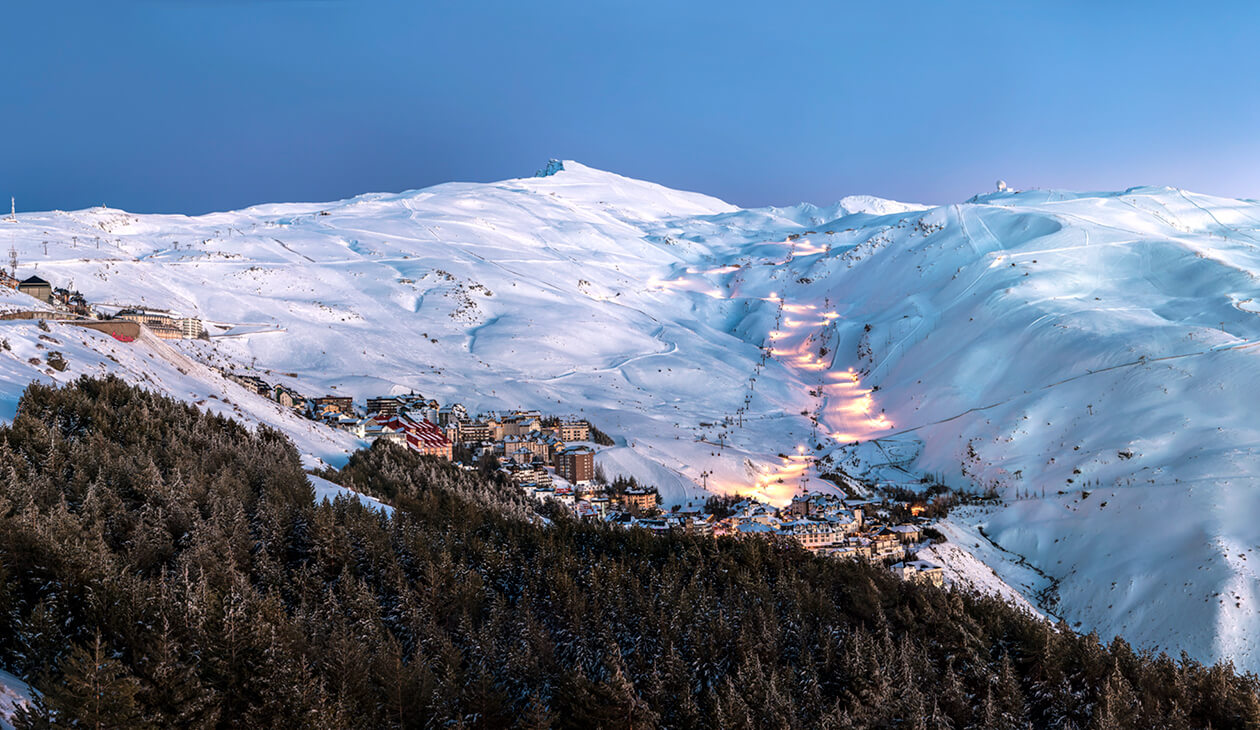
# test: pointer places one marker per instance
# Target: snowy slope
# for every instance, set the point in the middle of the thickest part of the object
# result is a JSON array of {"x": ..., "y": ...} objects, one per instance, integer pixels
[
  {"x": 326, "y": 491},
  {"x": 156, "y": 365},
  {"x": 1035, "y": 342},
  {"x": 14, "y": 693},
  {"x": 1105, "y": 343},
  {"x": 13, "y": 301},
  {"x": 545, "y": 293},
  {"x": 967, "y": 558}
]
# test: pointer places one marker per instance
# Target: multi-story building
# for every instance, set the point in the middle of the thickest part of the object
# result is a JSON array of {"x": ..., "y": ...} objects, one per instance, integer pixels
[
  {"x": 387, "y": 406},
  {"x": 520, "y": 455},
  {"x": 289, "y": 398},
  {"x": 518, "y": 423},
  {"x": 800, "y": 507},
  {"x": 333, "y": 404},
  {"x": 813, "y": 534},
  {"x": 574, "y": 431},
  {"x": 420, "y": 409},
  {"x": 254, "y": 383},
  {"x": 190, "y": 327},
  {"x": 701, "y": 525},
  {"x": 507, "y": 445},
  {"x": 164, "y": 326},
  {"x": 543, "y": 445},
  {"x": 475, "y": 431},
  {"x": 908, "y": 534},
  {"x": 886, "y": 543},
  {"x": 143, "y": 317},
  {"x": 373, "y": 429},
  {"x": 427, "y": 438},
  {"x": 534, "y": 476},
  {"x": 920, "y": 571},
  {"x": 576, "y": 464},
  {"x": 638, "y": 498},
  {"x": 852, "y": 547},
  {"x": 452, "y": 413},
  {"x": 422, "y": 436},
  {"x": 600, "y": 504},
  {"x": 166, "y": 331}
]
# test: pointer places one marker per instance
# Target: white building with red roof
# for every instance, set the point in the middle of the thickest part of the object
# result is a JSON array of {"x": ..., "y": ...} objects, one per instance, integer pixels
[{"x": 419, "y": 435}]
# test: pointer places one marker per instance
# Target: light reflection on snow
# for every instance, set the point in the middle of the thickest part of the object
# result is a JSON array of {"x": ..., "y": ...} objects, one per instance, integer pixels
[{"x": 845, "y": 411}]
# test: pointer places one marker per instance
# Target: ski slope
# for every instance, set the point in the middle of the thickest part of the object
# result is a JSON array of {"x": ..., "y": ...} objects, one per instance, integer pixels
[{"x": 1043, "y": 343}]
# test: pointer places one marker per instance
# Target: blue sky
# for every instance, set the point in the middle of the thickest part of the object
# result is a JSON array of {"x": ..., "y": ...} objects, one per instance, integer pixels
[{"x": 197, "y": 105}]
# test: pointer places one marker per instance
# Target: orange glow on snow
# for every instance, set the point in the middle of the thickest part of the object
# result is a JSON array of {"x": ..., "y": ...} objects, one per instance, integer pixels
[
  {"x": 845, "y": 410},
  {"x": 809, "y": 248}
]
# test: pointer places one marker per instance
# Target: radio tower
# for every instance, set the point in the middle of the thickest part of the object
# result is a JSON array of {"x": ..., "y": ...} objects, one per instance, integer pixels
[{"x": 13, "y": 209}]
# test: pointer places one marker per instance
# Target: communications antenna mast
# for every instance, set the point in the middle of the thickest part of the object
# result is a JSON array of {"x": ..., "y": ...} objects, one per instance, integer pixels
[{"x": 13, "y": 209}]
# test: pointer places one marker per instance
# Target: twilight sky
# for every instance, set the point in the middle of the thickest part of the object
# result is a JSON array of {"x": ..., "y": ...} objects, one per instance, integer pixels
[{"x": 198, "y": 105}]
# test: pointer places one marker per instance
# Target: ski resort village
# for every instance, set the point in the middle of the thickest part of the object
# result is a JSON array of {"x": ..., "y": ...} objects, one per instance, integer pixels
[{"x": 548, "y": 457}]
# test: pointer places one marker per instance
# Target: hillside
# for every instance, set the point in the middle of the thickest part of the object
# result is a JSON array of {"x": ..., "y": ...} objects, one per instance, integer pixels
[
  {"x": 171, "y": 568},
  {"x": 1043, "y": 343}
]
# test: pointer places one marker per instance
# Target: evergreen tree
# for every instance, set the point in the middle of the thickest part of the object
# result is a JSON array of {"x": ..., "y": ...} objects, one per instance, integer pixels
[{"x": 95, "y": 691}]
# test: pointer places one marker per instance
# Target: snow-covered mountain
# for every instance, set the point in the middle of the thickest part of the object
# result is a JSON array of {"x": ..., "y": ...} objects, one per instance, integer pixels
[{"x": 1089, "y": 355}]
